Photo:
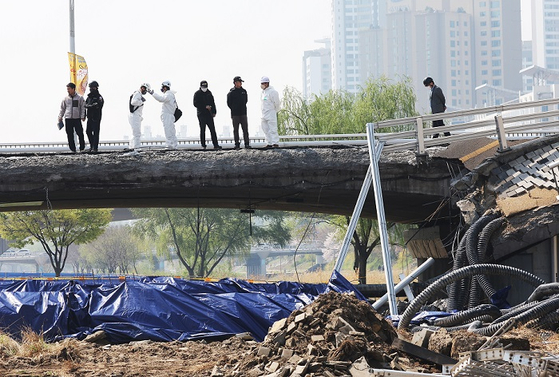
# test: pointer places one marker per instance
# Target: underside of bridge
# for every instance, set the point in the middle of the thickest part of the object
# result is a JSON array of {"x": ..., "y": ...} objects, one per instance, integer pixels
[{"x": 324, "y": 180}]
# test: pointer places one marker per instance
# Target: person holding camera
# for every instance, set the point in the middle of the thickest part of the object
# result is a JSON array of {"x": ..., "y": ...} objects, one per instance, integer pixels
[{"x": 168, "y": 107}]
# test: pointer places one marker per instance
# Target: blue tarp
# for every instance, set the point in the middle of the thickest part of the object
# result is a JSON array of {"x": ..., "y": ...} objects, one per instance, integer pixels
[{"x": 155, "y": 308}]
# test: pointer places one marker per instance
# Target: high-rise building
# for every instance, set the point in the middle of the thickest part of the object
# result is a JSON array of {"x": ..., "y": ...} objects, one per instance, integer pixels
[
  {"x": 545, "y": 33},
  {"x": 498, "y": 51},
  {"x": 348, "y": 17},
  {"x": 419, "y": 44},
  {"x": 317, "y": 71},
  {"x": 473, "y": 49}
]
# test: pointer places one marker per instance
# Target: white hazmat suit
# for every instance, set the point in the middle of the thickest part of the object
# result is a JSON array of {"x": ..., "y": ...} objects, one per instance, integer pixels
[
  {"x": 135, "y": 119},
  {"x": 270, "y": 107},
  {"x": 168, "y": 116}
]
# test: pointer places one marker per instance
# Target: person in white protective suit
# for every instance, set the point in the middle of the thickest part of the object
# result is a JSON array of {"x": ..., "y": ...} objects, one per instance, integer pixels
[
  {"x": 135, "y": 116},
  {"x": 270, "y": 106},
  {"x": 167, "y": 112}
]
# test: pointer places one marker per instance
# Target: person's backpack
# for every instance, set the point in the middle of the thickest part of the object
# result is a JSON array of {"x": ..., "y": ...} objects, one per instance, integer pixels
[{"x": 132, "y": 108}]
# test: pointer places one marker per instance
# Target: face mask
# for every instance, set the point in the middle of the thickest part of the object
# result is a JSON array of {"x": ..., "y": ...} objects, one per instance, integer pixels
[
  {"x": 204, "y": 89},
  {"x": 263, "y": 86}
]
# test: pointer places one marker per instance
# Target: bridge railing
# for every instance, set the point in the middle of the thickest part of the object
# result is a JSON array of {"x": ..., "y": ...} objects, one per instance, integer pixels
[
  {"x": 513, "y": 121},
  {"x": 520, "y": 120}
]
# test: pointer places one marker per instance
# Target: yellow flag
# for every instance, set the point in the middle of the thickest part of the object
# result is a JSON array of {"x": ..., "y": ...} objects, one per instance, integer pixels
[{"x": 78, "y": 72}]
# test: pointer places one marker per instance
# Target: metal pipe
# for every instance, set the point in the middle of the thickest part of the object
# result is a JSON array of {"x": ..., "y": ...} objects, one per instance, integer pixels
[
  {"x": 554, "y": 267},
  {"x": 404, "y": 283},
  {"x": 374, "y": 156},
  {"x": 354, "y": 218},
  {"x": 72, "y": 29}
]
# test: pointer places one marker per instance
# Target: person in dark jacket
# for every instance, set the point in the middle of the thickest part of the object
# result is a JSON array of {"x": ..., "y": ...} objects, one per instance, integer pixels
[
  {"x": 93, "y": 108},
  {"x": 205, "y": 105},
  {"x": 237, "y": 99},
  {"x": 437, "y": 102}
]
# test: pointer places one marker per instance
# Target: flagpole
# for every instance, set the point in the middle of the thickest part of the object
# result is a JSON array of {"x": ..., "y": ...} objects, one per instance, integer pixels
[{"x": 72, "y": 30}]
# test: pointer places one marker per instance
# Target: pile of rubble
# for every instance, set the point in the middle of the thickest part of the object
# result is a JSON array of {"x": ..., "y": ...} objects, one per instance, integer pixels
[
  {"x": 339, "y": 335},
  {"x": 336, "y": 335}
]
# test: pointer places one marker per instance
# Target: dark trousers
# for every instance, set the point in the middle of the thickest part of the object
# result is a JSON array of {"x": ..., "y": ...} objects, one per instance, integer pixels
[
  {"x": 92, "y": 131},
  {"x": 243, "y": 121},
  {"x": 439, "y": 123},
  {"x": 207, "y": 120},
  {"x": 71, "y": 126}
]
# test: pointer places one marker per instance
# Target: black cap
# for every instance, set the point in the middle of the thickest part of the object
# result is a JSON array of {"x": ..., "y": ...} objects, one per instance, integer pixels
[
  {"x": 71, "y": 85},
  {"x": 238, "y": 78},
  {"x": 94, "y": 84},
  {"x": 203, "y": 84}
]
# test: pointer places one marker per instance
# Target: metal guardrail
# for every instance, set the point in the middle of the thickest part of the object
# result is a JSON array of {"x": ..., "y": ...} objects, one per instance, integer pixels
[{"x": 520, "y": 120}]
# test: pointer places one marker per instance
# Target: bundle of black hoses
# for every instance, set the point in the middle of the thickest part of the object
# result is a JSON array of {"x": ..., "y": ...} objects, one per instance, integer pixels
[{"x": 460, "y": 274}]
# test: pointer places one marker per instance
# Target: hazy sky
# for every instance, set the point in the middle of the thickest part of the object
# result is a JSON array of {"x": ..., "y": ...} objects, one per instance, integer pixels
[{"x": 127, "y": 42}]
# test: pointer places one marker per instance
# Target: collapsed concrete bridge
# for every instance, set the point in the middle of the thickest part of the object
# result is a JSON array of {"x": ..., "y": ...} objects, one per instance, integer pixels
[{"x": 325, "y": 180}]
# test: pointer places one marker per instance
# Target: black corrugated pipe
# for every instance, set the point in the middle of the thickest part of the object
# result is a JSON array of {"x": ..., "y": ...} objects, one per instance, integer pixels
[
  {"x": 544, "y": 290},
  {"x": 473, "y": 254},
  {"x": 455, "y": 289},
  {"x": 456, "y": 296},
  {"x": 515, "y": 311},
  {"x": 461, "y": 273},
  {"x": 467, "y": 326},
  {"x": 467, "y": 315},
  {"x": 537, "y": 311},
  {"x": 474, "y": 294},
  {"x": 548, "y": 322}
]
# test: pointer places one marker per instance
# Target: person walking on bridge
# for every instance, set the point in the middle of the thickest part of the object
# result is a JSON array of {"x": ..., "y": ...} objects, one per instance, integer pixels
[
  {"x": 205, "y": 105},
  {"x": 72, "y": 110},
  {"x": 93, "y": 106},
  {"x": 136, "y": 107},
  {"x": 169, "y": 105},
  {"x": 270, "y": 107},
  {"x": 437, "y": 102},
  {"x": 237, "y": 99}
]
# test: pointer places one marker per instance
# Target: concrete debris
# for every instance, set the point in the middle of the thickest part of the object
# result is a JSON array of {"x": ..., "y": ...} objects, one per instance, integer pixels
[{"x": 336, "y": 335}]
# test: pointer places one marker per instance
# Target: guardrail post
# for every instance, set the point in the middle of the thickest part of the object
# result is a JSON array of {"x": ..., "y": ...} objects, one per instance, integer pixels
[
  {"x": 420, "y": 137},
  {"x": 503, "y": 146}
]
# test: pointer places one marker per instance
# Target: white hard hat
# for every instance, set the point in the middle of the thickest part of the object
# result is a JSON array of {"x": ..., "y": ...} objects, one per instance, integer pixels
[
  {"x": 264, "y": 79},
  {"x": 167, "y": 84},
  {"x": 146, "y": 85}
]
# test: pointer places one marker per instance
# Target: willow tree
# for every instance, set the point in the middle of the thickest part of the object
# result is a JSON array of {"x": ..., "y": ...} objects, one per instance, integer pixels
[
  {"x": 340, "y": 112},
  {"x": 56, "y": 230},
  {"x": 202, "y": 237}
]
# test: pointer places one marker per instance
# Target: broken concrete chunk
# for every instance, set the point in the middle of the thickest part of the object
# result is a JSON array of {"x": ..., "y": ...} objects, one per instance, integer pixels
[
  {"x": 360, "y": 368},
  {"x": 292, "y": 326},
  {"x": 264, "y": 351},
  {"x": 278, "y": 325},
  {"x": 286, "y": 353},
  {"x": 301, "y": 317},
  {"x": 421, "y": 338},
  {"x": 272, "y": 367},
  {"x": 294, "y": 359},
  {"x": 317, "y": 338},
  {"x": 279, "y": 338}
]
